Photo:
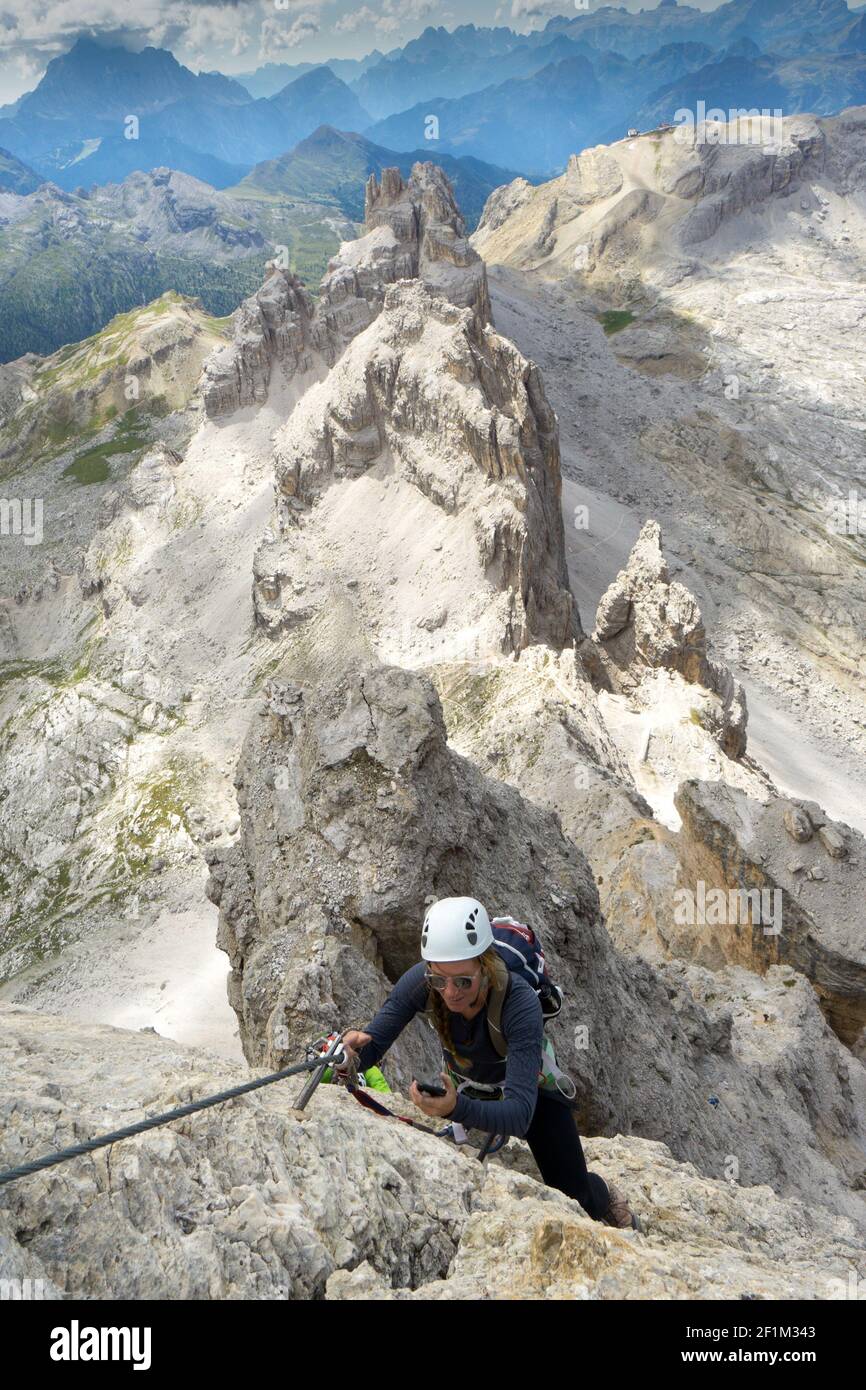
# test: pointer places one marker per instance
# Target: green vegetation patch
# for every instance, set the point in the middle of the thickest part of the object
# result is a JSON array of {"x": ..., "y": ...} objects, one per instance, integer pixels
[
  {"x": 615, "y": 320},
  {"x": 92, "y": 466},
  {"x": 51, "y": 671},
  {"x": 161, "y": 798}
]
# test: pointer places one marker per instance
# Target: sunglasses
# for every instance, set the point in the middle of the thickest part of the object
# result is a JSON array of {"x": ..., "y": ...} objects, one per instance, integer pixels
[{"x": 440, "y": 982}]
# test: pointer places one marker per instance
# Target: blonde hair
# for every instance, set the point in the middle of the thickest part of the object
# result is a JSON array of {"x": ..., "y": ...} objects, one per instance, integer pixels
[{"x": 441, "y": 1012}]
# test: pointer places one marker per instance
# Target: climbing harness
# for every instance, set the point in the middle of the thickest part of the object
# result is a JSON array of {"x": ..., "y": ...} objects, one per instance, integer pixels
[{"x": 482, "y": 1091}]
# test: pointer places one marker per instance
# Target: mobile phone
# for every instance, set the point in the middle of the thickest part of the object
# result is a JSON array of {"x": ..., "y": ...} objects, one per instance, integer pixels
[{"x": 429, "y": 1088}]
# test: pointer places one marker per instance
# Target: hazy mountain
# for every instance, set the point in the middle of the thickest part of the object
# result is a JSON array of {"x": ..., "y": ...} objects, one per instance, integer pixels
[
  {"x": 15, "y": 177},
  {"x": 318, "y": 98},
  {"x": 266, "y": 81},
  {"x": 114, "y": 158},
  {"x": 745, "y": 78},
  {"x": 110, "y": 83},
  {"x": 440, "y": 63},
  {"x": 532, "y": 123},
  {"x": 526, "y": 101},
  {"x": 451, "y": 64},
  {"x": 777, "y": 26},
  {"x": 333, "y": 166},
  {"x": 535, "y": 123},
  {"x": 79, "y": 113}
]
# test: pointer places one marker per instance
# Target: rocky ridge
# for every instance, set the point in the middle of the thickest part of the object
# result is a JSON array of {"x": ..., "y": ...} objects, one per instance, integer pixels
[
  {"x": 727, "y": 277},
  {"x": 429, "y": 718},
  {"x": 412, "y": 231}
]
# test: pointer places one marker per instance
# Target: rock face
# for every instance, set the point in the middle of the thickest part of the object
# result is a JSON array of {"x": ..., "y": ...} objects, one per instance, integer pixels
[
  {"x": 355, "y": 810},
  {"x": 728, "y": 178},
  {"x": 671, "y": 194},
  {"x": 433, "y": 417},
  {"x": 429, "y": 230},
  {"x": 412, "y": 231},
  {"x": 240, "y": 1202},
  {"x": 273, "y": 326},
  {"x": 740, "y": 268},
  {"x": 812, "y": 894},
  {"x": 502, "y": 203},
  {"x": 646, "y": 620}
]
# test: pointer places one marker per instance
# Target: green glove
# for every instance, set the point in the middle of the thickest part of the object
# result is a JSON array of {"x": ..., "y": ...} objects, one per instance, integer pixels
[{"x": 373, "y": 1077}]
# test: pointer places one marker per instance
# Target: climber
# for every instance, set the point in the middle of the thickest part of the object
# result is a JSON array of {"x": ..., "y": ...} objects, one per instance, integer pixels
[{"x": 452, "y": 984}]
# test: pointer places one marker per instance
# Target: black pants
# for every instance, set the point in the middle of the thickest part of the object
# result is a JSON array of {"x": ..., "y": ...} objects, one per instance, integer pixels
[{"x": 555, "y": 1144}]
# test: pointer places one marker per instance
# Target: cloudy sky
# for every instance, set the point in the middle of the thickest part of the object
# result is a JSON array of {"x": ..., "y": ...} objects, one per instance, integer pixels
[{"x": 240, "y": 35}]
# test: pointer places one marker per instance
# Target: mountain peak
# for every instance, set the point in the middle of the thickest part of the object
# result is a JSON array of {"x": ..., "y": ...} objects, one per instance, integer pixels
[{"x": 743, "y": 48}]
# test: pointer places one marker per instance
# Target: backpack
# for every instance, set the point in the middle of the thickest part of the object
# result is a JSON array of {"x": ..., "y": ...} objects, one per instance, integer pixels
[{"x": 520, "y": 953}]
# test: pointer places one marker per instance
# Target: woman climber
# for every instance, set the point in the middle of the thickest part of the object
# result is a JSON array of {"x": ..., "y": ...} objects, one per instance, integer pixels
[{"x": 461, "y": 975}]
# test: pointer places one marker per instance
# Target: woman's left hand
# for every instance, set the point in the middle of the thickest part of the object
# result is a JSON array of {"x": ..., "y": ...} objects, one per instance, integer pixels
[{"x": 438, "y": 1106}]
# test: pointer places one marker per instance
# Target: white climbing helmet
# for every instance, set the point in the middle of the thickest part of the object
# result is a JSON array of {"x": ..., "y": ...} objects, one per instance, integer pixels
[{"x": 455, "y": 929}]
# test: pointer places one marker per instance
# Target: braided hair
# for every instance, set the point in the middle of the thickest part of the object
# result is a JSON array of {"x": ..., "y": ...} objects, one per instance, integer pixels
[{"x": 442, "y": 1014}]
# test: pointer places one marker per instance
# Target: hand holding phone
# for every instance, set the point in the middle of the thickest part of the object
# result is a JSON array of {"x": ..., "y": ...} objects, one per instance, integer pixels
[{"x": 430, "y": 1088}]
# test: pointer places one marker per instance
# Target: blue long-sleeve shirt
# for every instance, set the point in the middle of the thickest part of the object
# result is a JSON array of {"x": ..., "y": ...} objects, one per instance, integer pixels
[{"x": 522, "y": 1024}]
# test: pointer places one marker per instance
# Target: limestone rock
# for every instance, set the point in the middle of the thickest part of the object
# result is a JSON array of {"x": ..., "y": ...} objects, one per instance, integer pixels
[
  {"x": 354, "y": 811},
  {"x": 241, "y": 1202},
  {"x": 833, "y": 842},
  {"x": 647, "y": 621},
  {"x": 734, "y": 844},
  {"x": 412, "y": 231},
  {"x": 426, "y": 222},
  {"x": 592, "y": 175},
  {"x": 272, "y": 326},
  {"x": 429, "y": 416},
  {"x": 798, "y": 824},
  {"x": 502, "y": 203}
]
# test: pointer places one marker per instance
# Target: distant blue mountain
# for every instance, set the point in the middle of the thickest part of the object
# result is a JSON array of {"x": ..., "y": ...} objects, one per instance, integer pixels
[
  {"x": 15, "y": 177},
  {"x": 518, "y": 101},
  {"x": 116, "y": 157},
  {"x": 273, "y": 77},
  {"x": 87, "y": 95}
]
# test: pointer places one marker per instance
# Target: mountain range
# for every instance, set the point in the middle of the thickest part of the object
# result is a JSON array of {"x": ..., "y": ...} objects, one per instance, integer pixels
[
  {"x": 69, "y": 260},
  {"x": 522, "y": 101},
  {"x": 333, "y": 166},
  {"x": 121, "y": 109}
]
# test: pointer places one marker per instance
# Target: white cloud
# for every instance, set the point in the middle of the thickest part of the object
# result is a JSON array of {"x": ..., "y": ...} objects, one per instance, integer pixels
[
  {"x": 355, "y": 19},
  {"x": 393, "y": 15},
  {"x": 278, "y": 35},
  {"x": 538, "y": 9}
]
